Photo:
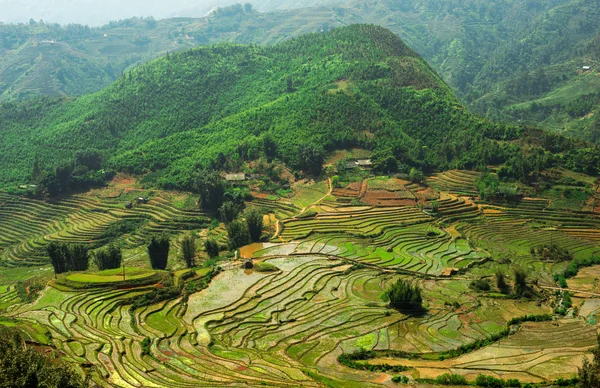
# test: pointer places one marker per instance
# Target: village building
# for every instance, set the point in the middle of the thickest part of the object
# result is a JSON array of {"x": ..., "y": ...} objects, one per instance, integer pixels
[{"x": 236, "y": 177}]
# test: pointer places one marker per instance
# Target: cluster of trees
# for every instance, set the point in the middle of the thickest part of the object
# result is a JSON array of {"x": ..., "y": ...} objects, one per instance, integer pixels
[
  {"x": 520, "y": 290},
  {"x": 68, "y": 257},
  {"x": 109, "y": 257},
  {"x": 77, "y": 175},
  {"x": 404, "y": 296},
  {"x": 244, "y": 231},
  {"x": 551, "y": 252},
  {"x": 25, "y": 366}
]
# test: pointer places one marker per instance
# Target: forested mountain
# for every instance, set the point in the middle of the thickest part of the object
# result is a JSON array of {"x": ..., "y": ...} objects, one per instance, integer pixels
[
  {"x": 510, "y": 60},
  {"x": 215, "y": 107}
]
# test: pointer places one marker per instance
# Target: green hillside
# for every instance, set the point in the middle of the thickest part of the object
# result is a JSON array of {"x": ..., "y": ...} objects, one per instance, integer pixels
[
  {"x": 496, "y": 56},
  {"x": 354, "y": 86}
]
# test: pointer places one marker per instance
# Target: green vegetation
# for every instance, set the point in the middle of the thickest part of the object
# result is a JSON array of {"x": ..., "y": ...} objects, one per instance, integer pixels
[
  {"x": 130, "y": 124},
  {"x": 404, "y": 297},
  {"x": 212, "y": 248},
  {"x": 589, "y": 374},
  {"x": 188, "y": 250},
  {"x": 22, "y": 365},
  {"x": 158, "y": 251},
  {"x": 254, "y": 219},
  {"x": 238, "y": 234},
  {"x": 108, "y": 258},
  {"x": 265, "y": 267},
  {"x": 68, "y": 257}
]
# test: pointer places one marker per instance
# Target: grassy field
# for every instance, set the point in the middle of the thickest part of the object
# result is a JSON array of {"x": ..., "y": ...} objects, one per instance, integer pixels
[{"x": 287, "y": 327}]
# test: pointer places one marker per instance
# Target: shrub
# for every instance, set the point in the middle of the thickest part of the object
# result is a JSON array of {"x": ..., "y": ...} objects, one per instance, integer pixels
[
  {"x": 265, "y": 267},
  {"x": 400, "y": 379},
  {"x": 480, "y": 285},
  {"x": 451, "y": 379}
]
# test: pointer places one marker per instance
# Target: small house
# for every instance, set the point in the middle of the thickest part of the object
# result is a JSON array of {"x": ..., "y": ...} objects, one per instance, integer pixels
[
  {"x": 586, "y": 68},
  {"x": 128, "y": 205},
  {"x": 253, "y": 177},
  {"x": 364, "y": 163},
  {"x": 447, "y": 272},
  {"x": 237, "y": 177},
  {"x": 142, "y": 200},
  {"x": 351, "y": 164},
  {"x": 23, "y": 187}
]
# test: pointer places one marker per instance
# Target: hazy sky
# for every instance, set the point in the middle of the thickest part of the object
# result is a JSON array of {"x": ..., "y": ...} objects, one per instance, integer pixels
[{"x": 97, "y": 12}]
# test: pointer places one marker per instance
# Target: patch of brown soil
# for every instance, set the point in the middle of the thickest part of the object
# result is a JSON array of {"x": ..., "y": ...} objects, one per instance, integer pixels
[
  {"x": 386, "y": 198},
  {"x": 258, "y": 195}
]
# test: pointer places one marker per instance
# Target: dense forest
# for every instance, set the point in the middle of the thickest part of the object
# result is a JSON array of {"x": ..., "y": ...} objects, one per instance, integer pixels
[
  {"x": 509, "y": 60},
  {"x": 213, "y": 108}
]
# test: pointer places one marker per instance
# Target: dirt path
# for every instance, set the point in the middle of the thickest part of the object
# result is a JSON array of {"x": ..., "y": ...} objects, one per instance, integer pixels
[
  {"x": 278, "y": 223},
  {"x": 570, "y": 290}
]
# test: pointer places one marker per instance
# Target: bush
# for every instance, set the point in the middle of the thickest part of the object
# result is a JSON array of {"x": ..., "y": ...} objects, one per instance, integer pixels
[
  {"x": 480, "y": 285},
  {"x": 403, "y": 296},
  {"x": 265, "y": 267},
  {"x": 400, "y": 379},
  {"x": 451, "y": 379}
]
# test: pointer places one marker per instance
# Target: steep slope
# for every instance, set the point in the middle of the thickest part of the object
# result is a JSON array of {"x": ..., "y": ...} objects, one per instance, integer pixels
[
  {"x": 354, "y": 85},
  {"x": 509, "y": 60}
]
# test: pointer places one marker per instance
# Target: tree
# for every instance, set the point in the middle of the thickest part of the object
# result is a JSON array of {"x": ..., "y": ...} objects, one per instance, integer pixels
[
  {"x": 416, "y": 175},
  {"x": 110, "y": 257},
  {"x": 158, "y": 251},
  {"x": 238, "y": 234},
  {"x": 589, "y": 374},
  {"x": 212, "y": 248},
  {"x": 404, "y": 297},
  {"x": 188, "y": 250},
  {"x": 24, "y": 366},
  {"x": 501, "y": 282},
  {"x": 68, "y": 257},
  {"x": 520, "y": 281},
  {"x": 254, "y": 219},
  {"x": 229, "y": 211},
  {"x": 210, "y": 187}
]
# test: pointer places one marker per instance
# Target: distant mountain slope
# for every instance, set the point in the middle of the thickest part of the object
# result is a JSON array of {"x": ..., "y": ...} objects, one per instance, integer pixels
[
  {"x": 217, "y": 106},
  {"x": 490, "y": 53}
]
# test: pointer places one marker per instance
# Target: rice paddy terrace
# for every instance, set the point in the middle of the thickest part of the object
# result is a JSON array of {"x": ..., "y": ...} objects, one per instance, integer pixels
[{"x": 287, "y": 328}]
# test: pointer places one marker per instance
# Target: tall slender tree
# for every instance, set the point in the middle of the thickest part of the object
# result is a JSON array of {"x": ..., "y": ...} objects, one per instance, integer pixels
[
  {"x": 158, "y": 251},
  {"x": 188, "y": 250}
]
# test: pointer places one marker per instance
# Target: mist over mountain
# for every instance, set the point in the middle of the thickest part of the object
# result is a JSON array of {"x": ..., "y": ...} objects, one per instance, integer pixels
[{"x": 94, "y": 12}]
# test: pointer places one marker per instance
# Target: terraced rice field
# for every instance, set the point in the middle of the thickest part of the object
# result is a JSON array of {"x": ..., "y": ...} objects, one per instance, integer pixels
[
  {"x": 287, "y": 328},
  {"x": 29, "y": 225}
]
